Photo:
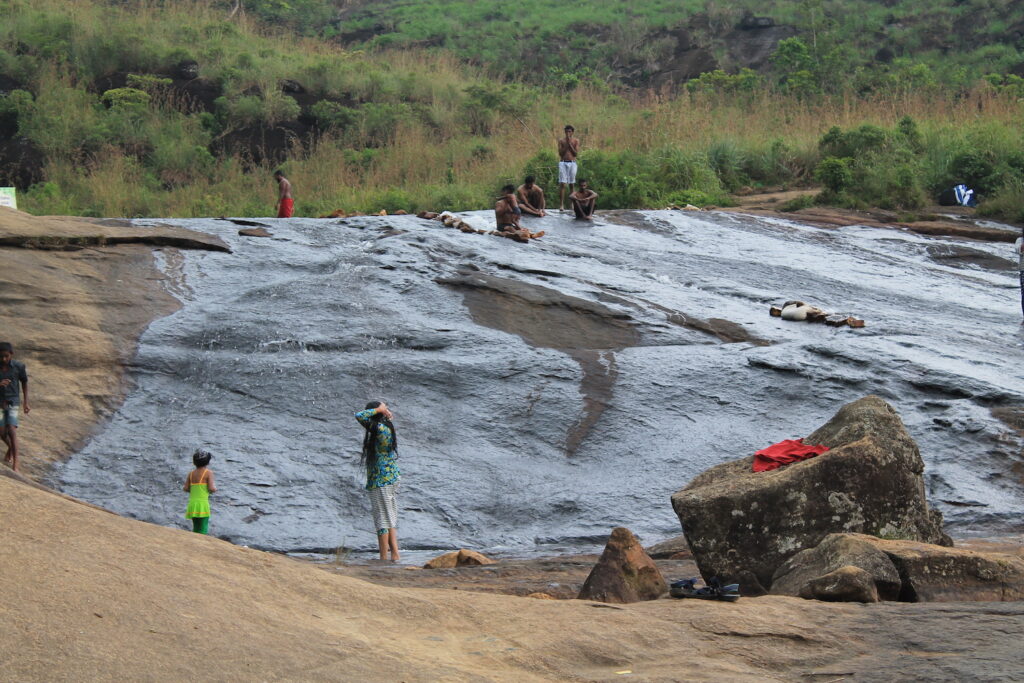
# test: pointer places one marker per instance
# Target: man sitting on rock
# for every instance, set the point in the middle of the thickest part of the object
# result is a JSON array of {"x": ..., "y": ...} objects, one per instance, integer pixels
[
  {"x": 507, "y": 214},
  {"x": 584, "y": 200},
  {"x": 531, "y": 198}
]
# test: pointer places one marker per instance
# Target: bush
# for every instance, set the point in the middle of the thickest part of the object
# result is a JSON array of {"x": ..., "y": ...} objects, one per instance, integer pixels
[
  {"x": 835, "y": 174},
  {"x": 378, "y": 121},
  {"x": 253, "y": 110},
  {"x": 804, "y": 201},
  {"x": 333, "y": 116},
  {"x": 727, "y": 161},
  {"x": 544, "y": 167},
  {"x": 855, "y": 143},
  {"x": 1007, "y": 203},
  {"x": 126, "y": 98},
  {"x": 976, "y": 169}
]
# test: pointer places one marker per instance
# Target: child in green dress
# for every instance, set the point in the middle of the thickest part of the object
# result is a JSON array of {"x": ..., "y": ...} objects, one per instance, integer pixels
[{"x": 199, "y": 486}]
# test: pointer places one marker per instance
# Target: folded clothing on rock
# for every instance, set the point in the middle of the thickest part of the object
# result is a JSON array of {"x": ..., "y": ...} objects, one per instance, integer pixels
[{"x": 784, "y": 453}]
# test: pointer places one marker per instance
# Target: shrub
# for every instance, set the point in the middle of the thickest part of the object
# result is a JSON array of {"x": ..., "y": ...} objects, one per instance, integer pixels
[
  {"x": 148, "y": 82},
  {"x": 544, "y": 167},
  {"x": 835, "y": 174},
  {"x": 378, "y": 121},
  {"x": 333, "y": 116},
  {"x": 804, "y": 201},
  {"x": 126, "y": 98},
  {"x": 976, "y": 169},
  {"x": 855, "y": 143},
  {"x": 727, "y": 161},
  {"x": 252, "y": 110}
]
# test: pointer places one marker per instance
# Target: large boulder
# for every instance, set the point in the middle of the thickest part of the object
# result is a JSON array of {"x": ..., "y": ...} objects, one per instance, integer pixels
[
  {"x": 932, "y": 573},
  {"x": 846, "y": 584},
  {"x": 624, "y": 573},
  {"x": 839, "y": 566},
  {"x": 812, "y": 573},
  {"x": 742, "y": 525}
]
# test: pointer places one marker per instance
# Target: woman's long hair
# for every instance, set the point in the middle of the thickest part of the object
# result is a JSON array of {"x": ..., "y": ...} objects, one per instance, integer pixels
[{"x": 369, "y": 456}]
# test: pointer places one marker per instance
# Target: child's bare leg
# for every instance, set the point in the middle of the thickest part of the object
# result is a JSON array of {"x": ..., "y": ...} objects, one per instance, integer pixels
[
  {"x": 7, "y": 440},
  {"x": 12, "y": 450},
  {"x": 382, "y": 545},
  {"x": 393, "y": 544}
]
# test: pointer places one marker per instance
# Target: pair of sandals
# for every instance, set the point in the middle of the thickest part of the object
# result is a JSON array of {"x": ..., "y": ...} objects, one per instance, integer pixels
[{"x": 714, "y": 590}]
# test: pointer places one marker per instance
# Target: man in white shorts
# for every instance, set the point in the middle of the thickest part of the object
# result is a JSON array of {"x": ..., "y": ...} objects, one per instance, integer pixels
[{"x": 568, "y": 150}]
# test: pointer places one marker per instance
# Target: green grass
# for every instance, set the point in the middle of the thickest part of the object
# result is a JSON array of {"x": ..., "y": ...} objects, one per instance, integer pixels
[
  {"x": 423, "y": 129},
  {"x": 552, "y": 42}
]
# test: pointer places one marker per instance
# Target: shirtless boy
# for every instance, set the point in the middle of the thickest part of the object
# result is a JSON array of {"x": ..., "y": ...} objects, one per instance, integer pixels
[
  {"x": 568, "y": 150},
  {"x": 285, "y": 203},
  {"x": 13, "y": 385},
  {"x": 584, "y": 201},
  {"x": 531, "y": 198}
]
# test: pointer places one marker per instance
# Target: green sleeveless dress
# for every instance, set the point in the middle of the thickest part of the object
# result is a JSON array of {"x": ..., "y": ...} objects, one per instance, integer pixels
[{"x": 199, "y": 504}]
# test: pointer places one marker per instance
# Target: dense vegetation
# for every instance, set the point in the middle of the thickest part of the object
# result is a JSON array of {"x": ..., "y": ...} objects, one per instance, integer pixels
[
  {"x": 860, "y": 44},
  {"x": 102, "y": 101}
]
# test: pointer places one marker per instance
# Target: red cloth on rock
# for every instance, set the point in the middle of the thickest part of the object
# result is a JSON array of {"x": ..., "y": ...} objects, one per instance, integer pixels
[{"x": 784, "y": 453}]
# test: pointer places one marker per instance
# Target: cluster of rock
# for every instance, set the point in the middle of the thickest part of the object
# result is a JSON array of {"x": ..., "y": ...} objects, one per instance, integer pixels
[
  {"x": 798, "y": 310},
  {"x": 861, "y": 568},
  {"x": 817, "y": 528},
  {"x": 852, "y": 524}
]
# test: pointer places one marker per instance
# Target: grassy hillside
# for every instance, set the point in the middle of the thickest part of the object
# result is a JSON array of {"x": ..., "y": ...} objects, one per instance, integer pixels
[
  {"x": 545, "y": 40},
  {"x": 183, "y": 108}
]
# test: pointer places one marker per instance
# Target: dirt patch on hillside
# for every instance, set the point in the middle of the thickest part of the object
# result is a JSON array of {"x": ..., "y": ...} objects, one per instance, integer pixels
[
  {"x": 88, "y": 591},
  {"x": 73, "y": 304}
]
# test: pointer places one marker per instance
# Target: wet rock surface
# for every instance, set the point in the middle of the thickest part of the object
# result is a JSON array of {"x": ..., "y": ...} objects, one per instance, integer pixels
[
  {"x": 739, "y": 522},
  {"x": 510, "y": 437}
]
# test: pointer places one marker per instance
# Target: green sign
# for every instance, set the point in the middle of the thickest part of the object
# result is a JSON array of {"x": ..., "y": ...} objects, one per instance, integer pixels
[{"x": 7, "y": 197}]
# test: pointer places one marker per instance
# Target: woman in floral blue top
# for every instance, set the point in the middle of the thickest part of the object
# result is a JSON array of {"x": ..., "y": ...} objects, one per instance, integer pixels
[{"x": 380, "y": 452}]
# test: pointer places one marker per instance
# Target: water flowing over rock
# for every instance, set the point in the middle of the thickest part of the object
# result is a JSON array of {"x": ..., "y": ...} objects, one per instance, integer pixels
[
  {"x": 545, "y": 393},
  {"x": 625, "y": 573},
  {"x": 737, "y": 520}
]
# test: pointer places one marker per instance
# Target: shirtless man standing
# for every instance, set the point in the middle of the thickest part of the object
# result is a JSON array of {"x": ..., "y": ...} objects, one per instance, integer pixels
[
  {"x": 285, "y": 204},
  {"x": 568, "y": 150},
  {"x": 531, "y": 198}
]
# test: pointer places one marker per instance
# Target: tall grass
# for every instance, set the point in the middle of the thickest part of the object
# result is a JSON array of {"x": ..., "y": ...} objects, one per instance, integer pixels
[{"x": 427, "y": 130}]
